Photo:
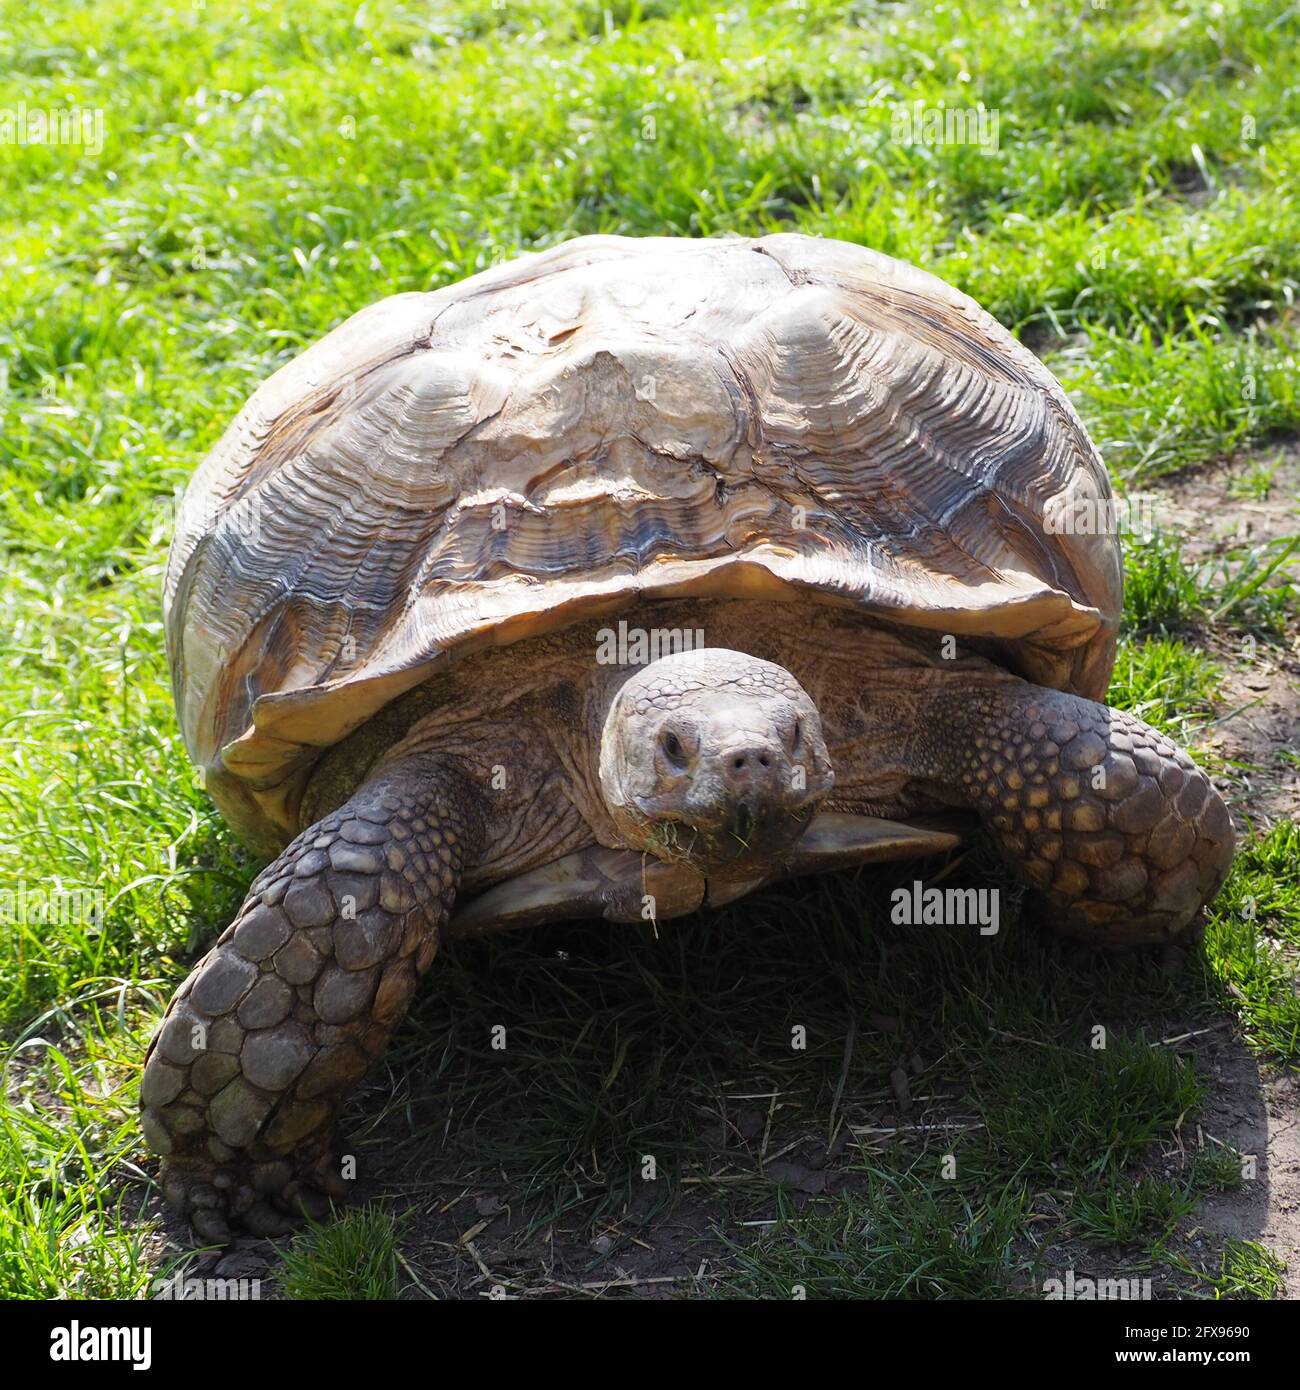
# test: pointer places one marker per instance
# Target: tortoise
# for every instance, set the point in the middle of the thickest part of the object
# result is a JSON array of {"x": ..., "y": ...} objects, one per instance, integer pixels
[{"x": 618, "y": 581}]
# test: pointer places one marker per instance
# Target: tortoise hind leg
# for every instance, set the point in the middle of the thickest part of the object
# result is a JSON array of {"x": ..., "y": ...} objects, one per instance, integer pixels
[
  {"x": 279, "y": 1021},
  {"x": 1119, "y": 829}
]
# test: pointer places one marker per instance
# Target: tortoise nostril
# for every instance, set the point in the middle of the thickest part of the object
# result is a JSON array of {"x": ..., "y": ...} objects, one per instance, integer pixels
[{"x": 750, "y": 761}]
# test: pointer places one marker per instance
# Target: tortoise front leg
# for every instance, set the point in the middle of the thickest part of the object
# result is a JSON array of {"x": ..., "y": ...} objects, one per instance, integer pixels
[
  {"x": 1120, "y": 830},
  {"x": 279, "y": 1021}
]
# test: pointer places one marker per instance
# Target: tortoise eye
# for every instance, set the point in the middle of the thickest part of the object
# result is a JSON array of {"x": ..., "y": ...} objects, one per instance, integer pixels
[{"x": 673, "y": 749}]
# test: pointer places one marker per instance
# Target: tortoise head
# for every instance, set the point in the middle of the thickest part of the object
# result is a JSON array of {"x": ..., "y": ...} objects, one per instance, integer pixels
[{"x": 713, "y": 758}]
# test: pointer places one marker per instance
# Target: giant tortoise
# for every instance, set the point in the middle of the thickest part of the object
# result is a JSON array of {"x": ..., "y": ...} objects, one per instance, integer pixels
[{"x": 616, "y": 582}]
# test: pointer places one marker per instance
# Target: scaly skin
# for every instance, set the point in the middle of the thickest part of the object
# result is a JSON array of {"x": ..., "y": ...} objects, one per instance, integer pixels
[
  {"x": 1122, "y": 833},
  {"x": 279, "y": 1021}
]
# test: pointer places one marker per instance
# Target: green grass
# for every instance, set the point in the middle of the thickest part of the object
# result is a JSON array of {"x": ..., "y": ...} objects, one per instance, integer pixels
[
  {"x": 1161, "y": 591},
  {"x": 1255, "y": 483},
  {"x": 905, "y": 1239},
  {"x": 1217, "y": 1169},
  {"x": 269, "y": 169},
  {"x": 1168, "y": 683},
  {"x": 1247, "y": 1270},
  {"x": 1157, "y": 402},
  {"x": 1253, "y": 940},
  {"x": 1249, "y": 589},
  {"x": 1256, "y": 587},
  {"x": 1123, "y": 1212},
  {"x": 1092, "y": 1109},
  {"x": 354, "y": 1257}
]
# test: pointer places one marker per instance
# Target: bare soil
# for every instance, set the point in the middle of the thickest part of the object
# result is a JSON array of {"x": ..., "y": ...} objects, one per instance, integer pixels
[{"x": 1257, "y": 1114}]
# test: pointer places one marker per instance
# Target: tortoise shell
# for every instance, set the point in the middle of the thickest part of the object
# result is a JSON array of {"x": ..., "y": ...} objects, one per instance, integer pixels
[{"x": 613, "y": 420}]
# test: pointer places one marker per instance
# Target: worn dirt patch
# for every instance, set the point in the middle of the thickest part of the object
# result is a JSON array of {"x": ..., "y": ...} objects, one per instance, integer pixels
[
  {"x": 1259, "y": 735},
  {"x": 1259, "y": 1116},
  {"x": 1256, "y": 733},
  {"x": 1214, "y": 510}
]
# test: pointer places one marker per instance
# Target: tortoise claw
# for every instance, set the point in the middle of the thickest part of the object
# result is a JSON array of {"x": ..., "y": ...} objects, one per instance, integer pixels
[
  {"x": 266, "y": 1199},
  {"x": 262, "y": 1219},
  {"x": 210, "y": 1224},
  {"x": 311, "y": 1203},
  {"x": 332, "y": 1183}
]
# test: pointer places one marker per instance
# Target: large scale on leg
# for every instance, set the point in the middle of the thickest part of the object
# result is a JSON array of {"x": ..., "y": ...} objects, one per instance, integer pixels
[
  {"x": 283, "y": 1016},
  {"x": 803, "y": 464}
]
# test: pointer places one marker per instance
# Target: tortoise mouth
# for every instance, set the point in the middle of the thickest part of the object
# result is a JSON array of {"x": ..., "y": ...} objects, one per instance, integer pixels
[{"x": 748, "y": 835}]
